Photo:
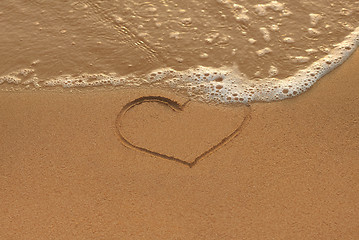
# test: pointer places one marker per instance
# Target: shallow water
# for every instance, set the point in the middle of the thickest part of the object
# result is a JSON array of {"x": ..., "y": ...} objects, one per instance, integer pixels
[{"x": 227, "y": 51}]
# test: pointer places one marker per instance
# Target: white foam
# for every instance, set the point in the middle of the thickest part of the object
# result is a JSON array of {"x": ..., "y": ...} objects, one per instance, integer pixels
[
  {"x": 273, "y": 71},
  {"x": 274, "y": 27},
  {"x": 252, "y": 41},
  {"x": 263, "y": 51},
  {"x": 261, "y": 9},
  {"x": 311, "y": 51},
  {"x": 299, "y": 59},
  {"x": 314, "y": 19},
  {"x": 265, "y": 33},
  {"x": 225, "y": 85},
  {"x": 313, "y": 32},
  {"x": 288, "y": 40}
]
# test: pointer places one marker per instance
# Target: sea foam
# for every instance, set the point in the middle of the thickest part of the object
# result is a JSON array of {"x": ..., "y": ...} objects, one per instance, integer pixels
[{"x": 225, "y": 84}]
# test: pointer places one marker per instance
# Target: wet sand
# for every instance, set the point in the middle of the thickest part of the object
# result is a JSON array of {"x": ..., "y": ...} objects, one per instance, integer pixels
[{"x": 291, "y": 173}]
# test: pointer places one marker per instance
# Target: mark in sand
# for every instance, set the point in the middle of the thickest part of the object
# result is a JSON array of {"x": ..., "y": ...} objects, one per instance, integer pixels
[{"x": 175, "y": 106}]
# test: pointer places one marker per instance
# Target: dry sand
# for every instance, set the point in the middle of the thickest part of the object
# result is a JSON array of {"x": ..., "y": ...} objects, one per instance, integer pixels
[{"x": 292, "y": 173}]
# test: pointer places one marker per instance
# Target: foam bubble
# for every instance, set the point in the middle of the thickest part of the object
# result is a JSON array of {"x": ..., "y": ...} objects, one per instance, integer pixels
[
  {"x": 288, "y": 40},
  {"x": 263, "y": 51},
  {"x": 273, "y": 71},
  {"x": 313, "y": 32},
  {"x": 274, "y": 27},
  {"x": 265, "y": 33},
  {"x": 252, "y": 40},
  {"x": 311, "y": 51},
  {"x": 299, "y": 59},
  {"x": 261, "y": 9},
  {"x": 314, "y": 19},
  {"x": 227, "y": 84}
]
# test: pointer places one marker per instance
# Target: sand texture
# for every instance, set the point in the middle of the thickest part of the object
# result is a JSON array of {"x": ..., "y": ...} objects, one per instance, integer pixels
[
  {"x": 291, "y": 173},
  {"x": 103, "y": 134}
]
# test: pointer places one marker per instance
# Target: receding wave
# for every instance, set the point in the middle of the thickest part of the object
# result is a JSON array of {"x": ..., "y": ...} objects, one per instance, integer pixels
[{"x": 227, "y": 52}]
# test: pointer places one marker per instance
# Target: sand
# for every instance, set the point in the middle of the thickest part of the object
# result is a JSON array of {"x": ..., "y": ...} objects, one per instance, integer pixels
[
  {"x": 291, "y": 173},
  {"x": 149, "y": 163}
]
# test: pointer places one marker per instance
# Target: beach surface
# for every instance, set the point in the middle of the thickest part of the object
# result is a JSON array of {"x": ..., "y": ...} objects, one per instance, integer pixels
[
  {"x": 161, "y": 119},
  {"x": 290, "y": 173}
]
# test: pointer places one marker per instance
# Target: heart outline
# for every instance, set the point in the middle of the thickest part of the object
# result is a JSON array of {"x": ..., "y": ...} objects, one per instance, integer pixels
[{"x": 175, "y": 106}]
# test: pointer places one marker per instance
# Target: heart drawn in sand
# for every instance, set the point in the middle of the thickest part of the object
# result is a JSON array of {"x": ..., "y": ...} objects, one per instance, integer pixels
[{"x": 175, "y": 106}]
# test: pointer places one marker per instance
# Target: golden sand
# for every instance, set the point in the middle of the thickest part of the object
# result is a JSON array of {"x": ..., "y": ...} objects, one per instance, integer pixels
[
  {"x": 146, "y": 163},
  {"x": 292, "y": 173}
]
